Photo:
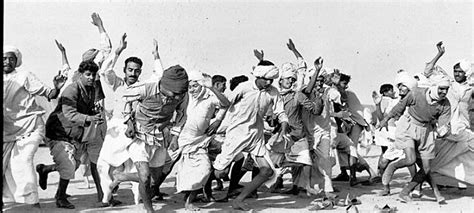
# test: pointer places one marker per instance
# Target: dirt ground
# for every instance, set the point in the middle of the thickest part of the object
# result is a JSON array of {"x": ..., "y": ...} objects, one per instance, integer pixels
[{"x": 85, "y": 200}]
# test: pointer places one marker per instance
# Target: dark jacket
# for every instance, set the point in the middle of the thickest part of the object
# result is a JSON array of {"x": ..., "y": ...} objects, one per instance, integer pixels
[{"x": 68, "y": 119}]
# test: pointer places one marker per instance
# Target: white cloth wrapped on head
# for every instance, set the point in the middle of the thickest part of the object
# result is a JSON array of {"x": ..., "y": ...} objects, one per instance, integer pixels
[
  {"x": 14, "y": 50},
  {"x": 406, "y": 79},
  {"x": 465, "y": 66},
  {"x": 266, "y": 71},
  {"x": 201, "y": 78},
  {"x": 288, "y": 70},
  {"x": 436, "y": 82}
]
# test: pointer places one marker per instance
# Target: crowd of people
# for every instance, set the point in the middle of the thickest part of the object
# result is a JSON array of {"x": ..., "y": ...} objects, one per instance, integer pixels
[{"x": 295, "y": 119}]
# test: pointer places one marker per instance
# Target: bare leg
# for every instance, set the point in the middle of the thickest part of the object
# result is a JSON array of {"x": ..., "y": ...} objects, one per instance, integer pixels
[
  {"x": 265, "y": 173},
  {"x": 144, "y": 186},
  {"x": 189, "y": 205}
]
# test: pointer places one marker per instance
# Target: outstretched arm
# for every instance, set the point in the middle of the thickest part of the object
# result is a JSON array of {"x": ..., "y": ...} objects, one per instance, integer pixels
[
  {"x": 318, "y": 65},
  {"x": 431, "y": 65},
  {"x": 107, "y": 68},
  {"x": 157, "y": 65},
  {"x": 105, "y": 43}
]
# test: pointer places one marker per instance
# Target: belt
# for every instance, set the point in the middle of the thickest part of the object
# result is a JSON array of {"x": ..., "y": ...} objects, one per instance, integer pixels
[{"x": 152, "y": 138}]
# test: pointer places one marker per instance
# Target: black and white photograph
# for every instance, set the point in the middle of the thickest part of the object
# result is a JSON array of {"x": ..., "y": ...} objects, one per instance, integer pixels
[{"x": 345, "y": 106}]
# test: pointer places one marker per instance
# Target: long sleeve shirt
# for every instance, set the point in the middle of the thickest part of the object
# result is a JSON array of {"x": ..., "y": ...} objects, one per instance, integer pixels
[
  {"x": 421, "y": 110},
  {"x": 68, "y": 119},
  {"x": 295, "y": 103},
  {"x": 20, "y": 109},
  {"x": 152, "y": 111}
]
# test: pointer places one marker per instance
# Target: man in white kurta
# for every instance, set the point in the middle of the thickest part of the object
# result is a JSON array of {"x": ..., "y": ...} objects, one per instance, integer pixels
[
  {"x": 114, "y": 152},
  {"x": 23, "y": 127},
  {"x": 453, "y": 164},
  {"x": 194, "y": 167},
  {"x": 250, "y": 102}
]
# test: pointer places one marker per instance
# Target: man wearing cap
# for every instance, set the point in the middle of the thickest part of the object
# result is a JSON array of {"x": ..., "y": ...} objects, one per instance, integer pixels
[
  {"x": 428, "y": 116},
  {"x": 23, "y": 127},
  {"x": 250, "y": 102},
  {"x": 148, "y": 124}
]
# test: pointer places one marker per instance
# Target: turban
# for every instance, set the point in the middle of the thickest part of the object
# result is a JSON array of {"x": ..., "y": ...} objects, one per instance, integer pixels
[
  {"x": 406, "y": 79},
  {"x": 195, "y": 76},
  {"x": 90, "y": 54},
  {"x": 465, "y": 66},
  {"x": 288, "y": 70},
  {"x": 175, "y": 79},
  {"x": 14, "y": 50},
  {"x": 436, "y": 82},
  {"x": 266, "y": 71}
]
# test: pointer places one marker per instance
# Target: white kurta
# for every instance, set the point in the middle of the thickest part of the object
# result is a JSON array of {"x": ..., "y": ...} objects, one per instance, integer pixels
[
  {"x": 23, "y": 131},
  {"x": 245, "y": 130},
  {"x": 194, "y": 166}
]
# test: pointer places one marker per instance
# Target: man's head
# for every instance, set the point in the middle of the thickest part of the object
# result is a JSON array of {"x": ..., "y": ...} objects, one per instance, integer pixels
[
  {"x": 174, "y": 83},
  {"x": 288, "y": 76},
  {"x": 265, "y": 72},
  {"x": 402, "y": 90},
  {"x": 11, "y": 58},
  {"x": 320, "y": 82},
  {"x": 132, "y": 70},
  {"x": 439, "y": 88},
  {"x": 387, "y": 91},
  {"x": 196, "y": 82},
  {"x": 219, "y": 83},
  {"x": 344, "y": 81},
  {"x": 235, "y": 81},
  {"x": 88, "y": 71},
  {"x": 462, "y": 70}
]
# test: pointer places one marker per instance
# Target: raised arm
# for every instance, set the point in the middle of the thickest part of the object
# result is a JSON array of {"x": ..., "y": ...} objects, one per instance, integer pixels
[
  {"x": 107, "y": 68},
  {"x": 258, "y": 54},
  {"x": 157, "y": 65},
  {"x": 318, "y": 65},
  {"x": 105, "y": 43},
  {"x": 431, "y": 65},
  {"x": 292, "y": 48}
]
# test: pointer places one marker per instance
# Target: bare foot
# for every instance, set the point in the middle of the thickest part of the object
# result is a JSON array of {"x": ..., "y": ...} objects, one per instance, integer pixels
[
  {"x": 239, "y": 205},
  {"x": 191, "y": 207}
]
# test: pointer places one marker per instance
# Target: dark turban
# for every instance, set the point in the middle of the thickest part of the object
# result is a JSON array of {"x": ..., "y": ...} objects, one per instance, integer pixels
[{"x": 175, "y": 79}]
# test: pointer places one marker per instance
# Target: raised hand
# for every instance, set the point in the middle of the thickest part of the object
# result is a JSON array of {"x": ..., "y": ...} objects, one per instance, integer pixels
[
  {"x": 123, "y": 44},
  {"x": 60, "y": 46},
  {"x": 376, "y": 98},
  {"x": 96, "y": 20},
  {"x": 291, "y": 45},
  {"x": 318, "y": 63},
  {"x": 258, "y": 54},
  {"x": 440, "y": 47},
  {"x": 59, "y": 80},
  {"x": 155, "y": 52}
]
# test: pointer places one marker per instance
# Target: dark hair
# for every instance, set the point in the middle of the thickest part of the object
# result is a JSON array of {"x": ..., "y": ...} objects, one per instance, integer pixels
[
  {"x": 265, "y": 63},
  {"x": 134, "y": 60},
  {"x": 235, "y": 81},
  {"x": 457, "y": 65},
  {"x": 88, "y": 65},
  {"x": 385, "y": 88},
  {"x": 218, "y": 78},
  {"x": 345, "y": 77}
]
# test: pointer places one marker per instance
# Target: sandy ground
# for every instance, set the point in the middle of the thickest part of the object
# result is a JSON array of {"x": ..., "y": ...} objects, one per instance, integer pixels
[{"x": 85, "y": 200}]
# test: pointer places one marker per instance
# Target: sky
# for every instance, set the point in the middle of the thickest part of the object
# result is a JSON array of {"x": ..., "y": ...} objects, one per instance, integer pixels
[{"x": 369, "y": 40}]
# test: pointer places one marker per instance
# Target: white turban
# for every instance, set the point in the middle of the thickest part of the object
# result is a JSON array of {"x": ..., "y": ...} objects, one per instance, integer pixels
[
  {"x": 436, "y": 82},
  {"x": 406, "y": 79},
  {"x": 14, "y": 50},
  {"x": 202, "y": 78},
  {"x": 266, "y": 71},
  {"x": 288, "y": 70},
  {"x": 465, "y": 66}
]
